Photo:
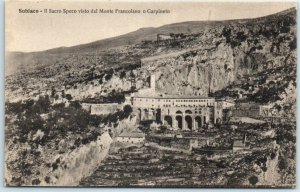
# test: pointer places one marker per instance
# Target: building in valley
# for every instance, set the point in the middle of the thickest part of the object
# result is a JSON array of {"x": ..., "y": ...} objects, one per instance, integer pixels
[
  {"x": 131, "y": 137},
  {"x": 176, "y": 111}
]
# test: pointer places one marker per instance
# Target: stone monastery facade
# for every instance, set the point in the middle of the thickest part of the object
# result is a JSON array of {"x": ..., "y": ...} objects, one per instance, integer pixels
[{"x": 176, "y": 111}]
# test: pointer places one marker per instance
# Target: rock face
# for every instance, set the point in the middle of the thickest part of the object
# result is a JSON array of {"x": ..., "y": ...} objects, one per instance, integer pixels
[
  {"x": 213, "y": 60},
  {"x": 83, "y": 160},
  {"x": 194, "y": 72},
  {"x": 207, "y": 60}
]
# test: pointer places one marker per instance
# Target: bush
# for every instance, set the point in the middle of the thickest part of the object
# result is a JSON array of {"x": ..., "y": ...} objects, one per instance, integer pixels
[
  {"x": 253, "y": 180},
  {"x": 264, "y": 169},
  {"x": 127, "y": 110},
  {"x": 69, "y": 97},
  {"x": 241, "y": 36},
  {"x": 36, "y": 182},
  {"x": 273, "y": 155},
  {"x": 47, "y": 179},
  {"x": 282, "y": 164},
  {"x": 293, "y": 44},
  {"x": 76, "y": 104},
  {"x": 122, "y": 74}
]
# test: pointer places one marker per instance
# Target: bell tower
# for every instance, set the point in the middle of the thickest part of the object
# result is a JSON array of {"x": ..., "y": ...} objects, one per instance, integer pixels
[{"x": 152, "y": 82}]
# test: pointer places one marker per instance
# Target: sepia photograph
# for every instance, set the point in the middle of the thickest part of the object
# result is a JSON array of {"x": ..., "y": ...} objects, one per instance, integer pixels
[{"x": 150, "y": 94}]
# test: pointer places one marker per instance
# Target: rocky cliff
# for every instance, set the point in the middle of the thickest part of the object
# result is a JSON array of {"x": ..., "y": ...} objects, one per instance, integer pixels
[{"x": 210, "y": 59}]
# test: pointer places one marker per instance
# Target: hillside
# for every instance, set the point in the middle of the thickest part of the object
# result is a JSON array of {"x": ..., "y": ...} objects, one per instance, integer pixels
[
  {"x": 16, "y": 61},
  {"x": 210, "y": 56}
]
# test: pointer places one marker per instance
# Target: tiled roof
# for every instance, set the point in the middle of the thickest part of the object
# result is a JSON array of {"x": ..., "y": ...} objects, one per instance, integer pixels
[
  {"x": 132, "y": 134},
  {"x": 173, "y": 97}
]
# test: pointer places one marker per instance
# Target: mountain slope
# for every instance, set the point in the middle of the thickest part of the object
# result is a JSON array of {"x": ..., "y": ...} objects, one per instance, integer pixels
[
  {"x": 20, "y": 61},
  {"x": 210, "y": 57}
]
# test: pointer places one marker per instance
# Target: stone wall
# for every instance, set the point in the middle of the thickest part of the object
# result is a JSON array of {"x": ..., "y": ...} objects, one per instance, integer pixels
[{"x": 102, "y": 109}]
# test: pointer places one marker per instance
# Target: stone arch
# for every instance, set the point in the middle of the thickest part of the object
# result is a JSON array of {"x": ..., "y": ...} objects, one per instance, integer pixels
[
  {"x": 139, "y": 114},
  {"x": 146, "y": 114},
  {"x": 152, "y": 113},
  {"x": 179, "y": 121},
  {"x": 218, "y": 120},
  {"x": 189, "y": 122},
  {"x": 178, "y": 112},
  {"x": 198, "y": 122},
  {"x": 168, "y": 120},
  {"x": 158, "y": 115},
  {"x": 188, "y": 112}
]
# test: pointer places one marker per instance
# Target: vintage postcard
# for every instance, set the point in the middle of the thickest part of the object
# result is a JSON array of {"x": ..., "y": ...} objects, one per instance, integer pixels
[{"x": 152, "y": 94}]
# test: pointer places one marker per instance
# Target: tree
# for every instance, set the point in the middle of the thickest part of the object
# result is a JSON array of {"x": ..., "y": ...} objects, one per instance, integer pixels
[
  {"x": 163, "y": 128},
  {"x": 273, "y": 155},
  {"x": 69, "y": 97},
  {"x": 264, "y": 168},
  {"x": 63, "y": 94},
  {"x": 53, "y": 92},
  {"x": 122, "y": 74},
  {"x": 127, "y": 110},
  {"x": 253, "y": 180},
  {"x": 282, "y": 164},
  {"x": 76, "y": 104},
  {"x": 95, "y": 120},
  {"x": 143, "y": 128},
  {"x": 293, "y": 44},
  {"x": 42, "y": 105}
]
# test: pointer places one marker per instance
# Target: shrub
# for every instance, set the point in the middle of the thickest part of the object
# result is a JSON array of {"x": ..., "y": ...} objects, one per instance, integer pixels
[
  {"x": 253, "y": 180},
  {"x": 47, "y": 179},
  {"x": 36, "y": 182},
  {"x": 122, "y": 74},
  {"x": 127, "y": 110},
  {"x": 264, "y": 169},
  {"x": 273, "y": 155},
  {"x": 282, "y": 164},
  {"x": 69, "y": 97},
  {"x": 293, "y": 44}
]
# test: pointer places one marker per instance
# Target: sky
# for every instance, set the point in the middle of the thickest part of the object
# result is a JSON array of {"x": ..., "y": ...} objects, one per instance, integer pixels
[{"x": 29, "y": 32}]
